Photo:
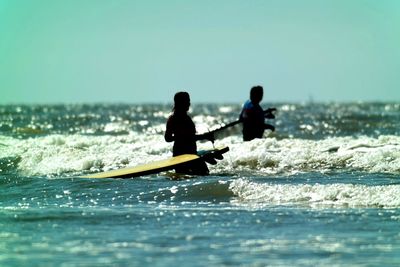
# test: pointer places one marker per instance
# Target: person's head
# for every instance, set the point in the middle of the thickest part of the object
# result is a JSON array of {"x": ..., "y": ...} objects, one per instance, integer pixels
[
  {"x": 256, "y": 94},
  {"x": 181, "y": 102}
]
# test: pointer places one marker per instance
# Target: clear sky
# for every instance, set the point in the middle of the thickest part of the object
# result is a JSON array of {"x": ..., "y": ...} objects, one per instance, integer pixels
[{"x": 56, "y": 51}]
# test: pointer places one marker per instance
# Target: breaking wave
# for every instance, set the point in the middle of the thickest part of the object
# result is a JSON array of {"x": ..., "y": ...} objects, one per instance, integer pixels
[
  {"x": 72, "y": 155},
  {"x": 316, "y": 195}
]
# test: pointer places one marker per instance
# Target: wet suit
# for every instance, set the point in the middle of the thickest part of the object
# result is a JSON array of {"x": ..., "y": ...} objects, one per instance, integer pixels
[
  {"x": 252, "y": 116},
  {"x": 181, "y": 130}
]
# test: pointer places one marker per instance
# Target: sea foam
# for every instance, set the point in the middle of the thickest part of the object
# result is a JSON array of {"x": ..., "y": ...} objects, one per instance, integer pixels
[
  {"x": 270, "y": 155},
  {"x": 338, "y": 195},
  {"x": 56, "y": 155}
]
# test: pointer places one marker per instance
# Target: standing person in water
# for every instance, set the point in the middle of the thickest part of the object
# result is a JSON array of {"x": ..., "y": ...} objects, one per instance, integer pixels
[
  {"x": 253, "y": 115},
  {"x": 182, "y": 131}
]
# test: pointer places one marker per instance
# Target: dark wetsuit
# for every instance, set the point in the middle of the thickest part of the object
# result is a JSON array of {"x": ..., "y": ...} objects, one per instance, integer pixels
[
  {"x": 181, "y": 130},
  {"x": 252, "y": 116}
]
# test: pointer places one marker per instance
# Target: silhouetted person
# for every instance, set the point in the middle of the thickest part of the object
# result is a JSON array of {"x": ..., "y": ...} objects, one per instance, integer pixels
[
  {"x": 182, "y": 131},
  {"x": 253, "y": 116}
]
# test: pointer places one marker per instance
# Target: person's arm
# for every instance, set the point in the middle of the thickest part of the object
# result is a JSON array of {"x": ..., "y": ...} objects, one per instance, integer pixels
[
  {"x": 269, "y": 127},
  {"x": 169, "y": 134},
  {"x": 269, "y": 114},
  {"x": 206, "y": 136}
]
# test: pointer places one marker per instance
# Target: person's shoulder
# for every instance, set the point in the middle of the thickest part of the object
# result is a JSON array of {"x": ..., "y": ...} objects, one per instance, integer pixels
[
  {"x": 171, "y": 117},
  {"x": 178, "y": 117},
  {"x": 248, "y": 104}
]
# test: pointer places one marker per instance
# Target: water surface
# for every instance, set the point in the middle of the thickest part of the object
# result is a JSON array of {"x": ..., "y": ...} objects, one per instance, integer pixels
[{"x": 323, "y": 190}]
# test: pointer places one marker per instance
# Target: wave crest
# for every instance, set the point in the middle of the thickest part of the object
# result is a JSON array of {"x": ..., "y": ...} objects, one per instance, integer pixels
[
  {"x": 337, "y": 195},
  {"x": 57, "y": 155}
]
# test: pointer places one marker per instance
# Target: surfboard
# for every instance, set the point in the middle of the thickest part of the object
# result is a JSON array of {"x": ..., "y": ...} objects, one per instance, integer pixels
[{"x": 161, "y": 165}]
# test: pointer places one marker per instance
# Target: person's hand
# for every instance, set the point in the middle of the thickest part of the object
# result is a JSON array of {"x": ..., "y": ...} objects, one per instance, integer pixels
[
  {"x": 209, "y": 136},
  {"x": 270, "y": 127},
  {"x": 269, "y": 113},
  {"x": 269, "y": 116}
]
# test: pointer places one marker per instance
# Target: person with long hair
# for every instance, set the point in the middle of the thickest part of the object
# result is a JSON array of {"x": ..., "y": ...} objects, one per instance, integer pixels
[{"x": 181, "y": 130}]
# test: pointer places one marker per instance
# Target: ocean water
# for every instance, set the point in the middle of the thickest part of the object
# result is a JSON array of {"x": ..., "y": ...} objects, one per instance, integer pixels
[{"x": 323, "y": 190}]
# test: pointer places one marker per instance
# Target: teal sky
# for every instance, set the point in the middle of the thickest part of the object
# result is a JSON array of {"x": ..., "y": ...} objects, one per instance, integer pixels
[{"x": 54, "y": 51}]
